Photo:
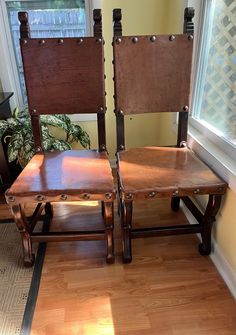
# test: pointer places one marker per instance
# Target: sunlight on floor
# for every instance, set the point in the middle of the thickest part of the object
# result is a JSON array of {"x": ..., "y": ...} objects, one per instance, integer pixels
[{"x": 83, "y": 203}]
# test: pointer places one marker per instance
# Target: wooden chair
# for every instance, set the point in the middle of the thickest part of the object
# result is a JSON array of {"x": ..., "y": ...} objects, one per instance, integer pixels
[
  {"x": 152, "y": 74},
  {"x": 63, "y": 76}
]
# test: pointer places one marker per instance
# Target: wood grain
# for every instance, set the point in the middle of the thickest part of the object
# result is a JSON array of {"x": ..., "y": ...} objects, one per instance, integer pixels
[
  {"x": 154, "y": 76},
  {"x": 168, "y": 289},
  {"x": 71, "y": 72},
  {"x": 68, "y": 172},
  {"x": 165, "y": 171}
]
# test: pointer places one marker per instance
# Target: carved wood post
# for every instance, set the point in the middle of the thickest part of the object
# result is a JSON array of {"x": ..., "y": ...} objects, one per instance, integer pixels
[
  {"x": 188, "y": 28},
  {"x": 101, "y": 125},
  {"x": 117, "y": 29}
]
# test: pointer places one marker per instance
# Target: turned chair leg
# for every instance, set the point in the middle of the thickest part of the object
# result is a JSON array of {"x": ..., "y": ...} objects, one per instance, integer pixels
[
  {"x": 212, "y": 208},
  {"x": 175, "y": 204},
  {"x": 49, "y": 209},
  {"x": 126, "y": 222},
  {"x": 109, "y": 228},
  {"x": 24, "y": 229},
  {"x": 103, "y": 209}
]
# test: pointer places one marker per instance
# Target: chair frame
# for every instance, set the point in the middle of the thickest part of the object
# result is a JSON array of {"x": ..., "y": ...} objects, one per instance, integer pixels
[
  {"x": 26, "y": 225},
  {"x": 125, "y": 201}
]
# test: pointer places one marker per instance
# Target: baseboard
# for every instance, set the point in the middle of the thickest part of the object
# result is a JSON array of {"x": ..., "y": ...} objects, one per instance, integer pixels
[{"x": 217, "y": 257}]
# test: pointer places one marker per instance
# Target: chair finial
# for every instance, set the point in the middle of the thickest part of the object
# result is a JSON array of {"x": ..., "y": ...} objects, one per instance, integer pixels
[
  {"x": 117, "y": 16},
  {"x": 97, "y": 27},
  {"x": 188, "y": 23},
  {"x": 24, "y": 25}
]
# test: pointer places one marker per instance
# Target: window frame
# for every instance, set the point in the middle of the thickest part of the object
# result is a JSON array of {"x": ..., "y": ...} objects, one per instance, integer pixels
[
  {"x": 208, "y": 143},
  {"x": 8, "y": 67}
]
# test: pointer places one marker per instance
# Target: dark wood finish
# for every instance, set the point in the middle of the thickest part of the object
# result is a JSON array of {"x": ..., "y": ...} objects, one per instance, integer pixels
[
  {"x": 97, "y": 31},
  {"x": 212, "y": 208},
  {"x": 36, "y": 128},
  {"x": 5, "y": 112},
  {"x": 63, "y": 76},
  {"x": 120, "y": 132},
  {"x": 142, "y": 83},
  {"x": 117, "y": 16},
  {"x": 126, "y": 225},
  {"x": 152, "y": 74},
  {"x": 24, "y": 25},
  {"x": 188, "y": 20},
  {"x": 97, "y": 27},
  {"x": 109, "y": 228}
]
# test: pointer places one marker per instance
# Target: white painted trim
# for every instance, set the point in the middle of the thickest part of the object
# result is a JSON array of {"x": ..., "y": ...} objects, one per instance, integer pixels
[
  {"x": 8, "y": 69},
  {"x": 215, "y": 157},
  {"x": 222, "y": 265}
]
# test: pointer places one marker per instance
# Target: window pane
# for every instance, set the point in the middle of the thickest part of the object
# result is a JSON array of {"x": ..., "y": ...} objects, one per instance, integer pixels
[
  {"x": 55, "y": 18},
  {"x": 218, "y": 107}
]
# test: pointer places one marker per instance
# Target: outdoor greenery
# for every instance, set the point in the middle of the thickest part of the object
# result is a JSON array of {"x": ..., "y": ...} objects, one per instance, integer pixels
[{"x": 17, "y": 132}]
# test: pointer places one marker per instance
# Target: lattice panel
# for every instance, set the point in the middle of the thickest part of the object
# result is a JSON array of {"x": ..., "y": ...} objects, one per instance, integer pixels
[{"x": 219, "y": 98}]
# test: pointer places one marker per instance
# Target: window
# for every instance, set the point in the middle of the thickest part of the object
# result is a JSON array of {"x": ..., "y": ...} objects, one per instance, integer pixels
[
  {"x": 214, "y": 94},
  {"x": 212, "y": 131},
  {"x": 48, "y": 18}
]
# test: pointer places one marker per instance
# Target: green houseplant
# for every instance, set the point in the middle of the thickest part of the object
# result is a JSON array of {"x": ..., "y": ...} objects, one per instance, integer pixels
[{"x": 17, "y": 132}]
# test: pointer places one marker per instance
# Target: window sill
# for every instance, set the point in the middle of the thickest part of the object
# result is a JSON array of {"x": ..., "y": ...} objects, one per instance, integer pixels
[
  {"x": 213, "y": 156},
  {"x": 83, "y": 117}
]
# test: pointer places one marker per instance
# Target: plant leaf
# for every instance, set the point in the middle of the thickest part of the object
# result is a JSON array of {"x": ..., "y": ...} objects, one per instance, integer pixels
[
  {"x": 80, "y": 135},
  {"x": 53, "y": 120},
  {"x": 3, "y": 127},
  {"x": 14, "y": 146},
  {"x": 60, "y": 145}
]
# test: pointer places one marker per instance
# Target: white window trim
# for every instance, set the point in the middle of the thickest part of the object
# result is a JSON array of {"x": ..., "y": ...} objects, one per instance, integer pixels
[
  {"x": 8, "y": 68},
  {"x": 210, "y": 146}
]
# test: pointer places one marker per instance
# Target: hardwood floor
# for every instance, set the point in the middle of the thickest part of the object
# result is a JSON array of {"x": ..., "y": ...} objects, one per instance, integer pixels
[{"x": 168, "y": 289}]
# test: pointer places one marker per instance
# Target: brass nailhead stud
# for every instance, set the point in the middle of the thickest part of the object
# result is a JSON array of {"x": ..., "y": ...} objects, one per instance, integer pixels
[
  {"x": 121, "y": 147},
  {"x": 152, "y": 194},
  {"x": 102, "y": 147},
  {"x": 40, "y": 197},
  {"x": 25, "y": 41},
  {"x": 11, "y": 198},
  {"x": 185, "y": 108},
  {"x": 190, "y": 37},
  {"x": 135, "y": 39},
  {"x": 101, "y": 109},
  {"x": 118, "y": 40},
  {"x": 196, "y": 191},
  {"x": 80, "y": 41},
  {"x": 153, "y": 38},
  {"x": 175, "y": 192},
  {"x": 99, "y": 40},
  {"x": 128, "y": 196},
  {"x": 120, "y": 112},
  {"x": 33, "y": 111},
  {"x": 41, "y": 42},
  {"x": 86, "y": 196},
  {"x": 38, "y": 149},
  {"x": 172, "y": 38},
  {"x": 63, "y": 197},
  {"x": 60, "y": 41},
  {"x": 108, "y": 195}
]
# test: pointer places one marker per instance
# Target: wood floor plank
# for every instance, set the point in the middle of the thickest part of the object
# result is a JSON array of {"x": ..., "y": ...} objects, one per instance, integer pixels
[{"x": 168, "y": 289}]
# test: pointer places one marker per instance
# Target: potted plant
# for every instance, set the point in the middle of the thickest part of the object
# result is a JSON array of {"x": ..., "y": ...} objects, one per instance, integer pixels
[{"x": 17, "y": 132}]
